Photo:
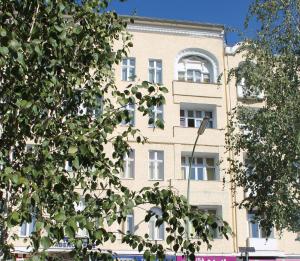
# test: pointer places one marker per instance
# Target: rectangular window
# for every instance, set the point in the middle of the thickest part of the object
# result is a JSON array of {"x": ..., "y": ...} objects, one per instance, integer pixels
[
  {"x": 128, "y": 168},
  {"x": 155, "y": 71},
  {"x": 201, "y": 168},
  {"x": 130, "y": 115},
  {"x": 129, "y": 224},
  {"x": 156, "y": 114},
  {"x": 214, "y": 210},
  {"x": 255, "y": 230},
  {"x": 128, "y": 69},
  {"x": 26, "y": 228},
  {"x": 156, "y": 165},
  {"x": 193, "y": 118}
]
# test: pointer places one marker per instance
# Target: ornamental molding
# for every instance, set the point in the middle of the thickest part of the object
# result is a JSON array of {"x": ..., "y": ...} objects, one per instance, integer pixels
[{"x": 176, "y": 31}]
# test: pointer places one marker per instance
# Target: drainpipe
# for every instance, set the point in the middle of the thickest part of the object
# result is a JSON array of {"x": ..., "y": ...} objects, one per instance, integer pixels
[{"x": 232, "y": 186}]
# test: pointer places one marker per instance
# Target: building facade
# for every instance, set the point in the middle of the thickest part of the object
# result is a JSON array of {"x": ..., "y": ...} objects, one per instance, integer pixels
[{"x": 188, "y": 58}]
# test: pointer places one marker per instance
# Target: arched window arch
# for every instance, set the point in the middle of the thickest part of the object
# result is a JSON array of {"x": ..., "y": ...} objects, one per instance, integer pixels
[
  {"x": 196, "y": 65},
  {"x": 156, "y": 232}
]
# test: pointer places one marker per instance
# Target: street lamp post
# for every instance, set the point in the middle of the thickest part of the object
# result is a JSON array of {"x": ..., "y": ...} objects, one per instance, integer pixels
[{"x": 199, "y": 132}]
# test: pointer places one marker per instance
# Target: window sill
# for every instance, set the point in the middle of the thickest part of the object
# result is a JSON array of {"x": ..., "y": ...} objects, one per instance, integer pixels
[
  {"x": 124, "y": 178},
  {"x": 156, "y": 179},
  {"x": 212, "y": 83}
]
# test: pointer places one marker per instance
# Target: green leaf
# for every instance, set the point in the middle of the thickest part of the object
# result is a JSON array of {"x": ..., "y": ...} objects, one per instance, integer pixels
[
  {"x": 4, "y": 50},
  {"x": 72, "y": 150},
  {"x": 46, "y": 242}
]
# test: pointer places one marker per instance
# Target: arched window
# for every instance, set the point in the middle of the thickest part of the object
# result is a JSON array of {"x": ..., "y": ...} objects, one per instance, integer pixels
[
  {"x": 194, "y": 68},
  {"x": 156, "y": 232},
  {"x": 196, "y": 65}
]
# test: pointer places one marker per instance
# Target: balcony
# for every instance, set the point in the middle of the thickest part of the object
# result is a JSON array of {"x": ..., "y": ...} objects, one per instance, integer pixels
[
  {"x": 208, "y": 90},
  {"x": 185, "y": 135},
  {"x": 261, "y": 244}
]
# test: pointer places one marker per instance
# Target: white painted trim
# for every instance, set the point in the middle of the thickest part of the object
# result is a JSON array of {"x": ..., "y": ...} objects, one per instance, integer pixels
[{"x": 174, "y": 30}]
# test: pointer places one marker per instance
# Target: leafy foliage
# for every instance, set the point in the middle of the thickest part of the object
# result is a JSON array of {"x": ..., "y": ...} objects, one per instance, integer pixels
[
  {"x": 269, "y": 135},
  {"x": 58, "y": 93}
]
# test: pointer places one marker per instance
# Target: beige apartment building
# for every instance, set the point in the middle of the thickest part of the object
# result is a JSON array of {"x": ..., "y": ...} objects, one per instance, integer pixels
[{"x": 187, "y": 58}]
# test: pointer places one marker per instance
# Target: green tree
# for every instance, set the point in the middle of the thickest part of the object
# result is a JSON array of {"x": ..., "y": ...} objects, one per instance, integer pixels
[
  {"x": 269, "y": 135},
  {"x": 57, "y": 91}
]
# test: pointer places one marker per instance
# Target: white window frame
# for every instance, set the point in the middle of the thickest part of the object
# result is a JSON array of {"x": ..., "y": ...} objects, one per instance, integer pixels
[
  {"x": 155, "y": 112},
  {"x": 155, "y": 232},
  {"x": 196, "y": 166},
  {"x": 156, "y": 69},
  {"x": 126, "y": 169},
  {"x": 197, "y": 120},
  {"x": 128, "y": 67},
  {"x": 156, "y": 162},
  {"x": 131, "y": 112}
]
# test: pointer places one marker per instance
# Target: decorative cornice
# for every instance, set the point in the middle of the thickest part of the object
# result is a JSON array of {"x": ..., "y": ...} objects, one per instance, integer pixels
[{"x": 175, "y": 31}]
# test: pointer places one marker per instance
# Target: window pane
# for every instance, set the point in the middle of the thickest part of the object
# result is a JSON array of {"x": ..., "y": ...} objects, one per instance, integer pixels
[
  {"x": 191, "y": 114},
  {"x": 206, "y": 78},
  {"x": 208, "y": 114},
  {"x": 161, "y": 232},
  {"x": 200, "y": 174},
  {"x": 210, "y": 162},
  {"x": 132, "y": 62},
  {"x": 159, "y": 76},
  {"x": 161, "y": 170},
  {"x": 124, "y": 74},
  {"x": 254, "y": 229},
  {"x": 181, "y": 113},
  {"x": 151, "y": 63},
  {"x": 130, "y": 226},
  {"x": 191, "y": 123},
  {"x": 124, "y": 61},
  {"x": 182, "y": 122},
  {"x": 193, "y": 174},
  {"x": 158, "y": 64},
  {"x": 151, "y": 154},
  {"x": 131, "y": 169},
  {"x": 210, "y": 173},
  {"x": 199, "y": 161},
  {"x": 181, "y": 76},
  {"x": 151, "y": 75},
  {"x": 198, "y": 114},
  {"x": 197, "y": 76},
  {"x": 160, "y": 116},
  {"x": 151, "y": 228},
  {"x": 151, "y": 170},
  {"x": 32, "y": 225},
  {"x": 23, "y": 229},
  {"x": 197, "y": 123},
  {"x": 160, "y": 155},
  {"x": 131, "y": 74},
  {"x": 190, "y": 75}
]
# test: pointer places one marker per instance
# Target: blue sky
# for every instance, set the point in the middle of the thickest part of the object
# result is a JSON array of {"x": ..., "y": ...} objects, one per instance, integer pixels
[{"x": 230, "y": 13}]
